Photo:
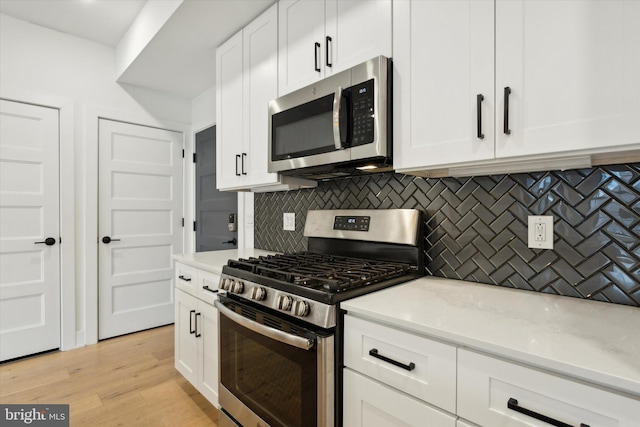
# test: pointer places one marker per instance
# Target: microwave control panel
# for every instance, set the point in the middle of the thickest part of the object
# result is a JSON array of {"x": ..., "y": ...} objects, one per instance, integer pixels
[
  {"x": 353, "y": 223},
  {"x": 362, "y": 112}
]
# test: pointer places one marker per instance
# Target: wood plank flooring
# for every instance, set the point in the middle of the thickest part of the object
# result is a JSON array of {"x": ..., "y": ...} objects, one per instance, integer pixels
[{"x": 123, "y": 381}]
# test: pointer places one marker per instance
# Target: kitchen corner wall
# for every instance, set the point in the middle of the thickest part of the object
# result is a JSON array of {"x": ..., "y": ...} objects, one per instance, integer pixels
[{"x": 476, "y": 228}]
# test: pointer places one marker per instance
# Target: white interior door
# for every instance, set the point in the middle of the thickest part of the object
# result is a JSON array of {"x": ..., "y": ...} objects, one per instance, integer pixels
[
  {"x": 29, "y": 214},
  {"x": 140, "y": 211}
]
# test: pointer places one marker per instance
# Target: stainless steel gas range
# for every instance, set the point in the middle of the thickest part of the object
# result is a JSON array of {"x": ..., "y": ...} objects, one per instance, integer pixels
[{"x": 280, "y": 323}]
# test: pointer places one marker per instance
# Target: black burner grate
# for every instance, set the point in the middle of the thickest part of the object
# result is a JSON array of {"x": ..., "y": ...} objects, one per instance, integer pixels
[{"x": 329, "y": 273}]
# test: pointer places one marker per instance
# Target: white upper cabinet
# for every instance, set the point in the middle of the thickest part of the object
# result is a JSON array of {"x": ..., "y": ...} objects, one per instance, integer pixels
[
  {"x": 229, "y": 108},
  {"x": 443, "y": 60},
  {"x": 246, "y": 80},
  {"x": 573, "y": 68},
  {"x": 570, "y": 69},
  {"x": 318, "y": 38}
]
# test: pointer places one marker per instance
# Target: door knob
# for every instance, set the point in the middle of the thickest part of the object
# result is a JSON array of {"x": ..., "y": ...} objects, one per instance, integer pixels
[
  {"x": 233, "y": 241},
  {"x": 49, "y": 241},
  {"x": 107, "y": 239}
]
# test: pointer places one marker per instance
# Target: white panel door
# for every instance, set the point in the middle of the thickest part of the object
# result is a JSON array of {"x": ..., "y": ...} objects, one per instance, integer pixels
[
  {"x": 29, "y": 214},
  {"x": 572, "y": 68},
  {"x": 140, "y": 210},
  {"x": 443, "y": 61}
]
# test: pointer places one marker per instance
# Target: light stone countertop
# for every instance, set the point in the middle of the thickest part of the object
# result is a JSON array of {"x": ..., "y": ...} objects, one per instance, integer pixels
[
  {"x": 588, "y": 340},
  {"x": 213, "y": 261}
]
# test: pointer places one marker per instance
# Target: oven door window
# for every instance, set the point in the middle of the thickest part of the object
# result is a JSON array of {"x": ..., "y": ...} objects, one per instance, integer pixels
[{"x": 275, "y": 380}]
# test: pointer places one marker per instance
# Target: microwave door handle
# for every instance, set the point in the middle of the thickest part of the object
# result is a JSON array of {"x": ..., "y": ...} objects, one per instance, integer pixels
[
  {"x": 337, "y": 101},
  {"x": 283, "y": 337}
]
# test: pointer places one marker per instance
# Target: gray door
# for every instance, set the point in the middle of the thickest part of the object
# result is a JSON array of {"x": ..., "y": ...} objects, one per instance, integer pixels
[{"x": 213, "y": 207}]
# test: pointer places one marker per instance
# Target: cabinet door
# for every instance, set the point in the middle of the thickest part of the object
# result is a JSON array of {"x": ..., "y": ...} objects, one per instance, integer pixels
[
  {"x": 443, "y": 59},
  {"x": 260, "y": 86},
  {"x": 186, "y": 347},
  {"x": 572, "y": 67},
  {"x": 369, "y": 403},
  {"x": 301, "y": 27},
  {"x": 229, "y": 98},
  {"x": 355, "y": 31},
  {"x": 207, "y": 328}
]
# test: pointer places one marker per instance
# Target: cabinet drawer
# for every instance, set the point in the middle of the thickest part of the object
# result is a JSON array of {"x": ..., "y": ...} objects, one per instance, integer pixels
[
  {"x": 486, "y": 386},
  {"x": 433, "y": 374},
  {"x": 186, "y": 278},
  {"x": 369, "y": 403},
  {"x": 208, "y": 286}
]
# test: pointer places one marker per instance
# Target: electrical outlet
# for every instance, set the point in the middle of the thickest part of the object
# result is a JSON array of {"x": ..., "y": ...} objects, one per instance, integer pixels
[
  {"x": 540, "y": 231},
  {"x": 289, "y": 221}
]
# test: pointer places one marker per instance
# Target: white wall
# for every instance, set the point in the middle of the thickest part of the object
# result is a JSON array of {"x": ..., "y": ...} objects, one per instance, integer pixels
[{"x": 46, "y": 67}]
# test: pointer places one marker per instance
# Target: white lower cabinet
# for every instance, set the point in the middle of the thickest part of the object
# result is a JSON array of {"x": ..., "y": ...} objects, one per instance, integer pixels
[
  {"x": 495, "y": 392},
  {"x": 368, "y": 403},
  {"x": 196, "y": 331},
  {"x": 419, "y": 381}
]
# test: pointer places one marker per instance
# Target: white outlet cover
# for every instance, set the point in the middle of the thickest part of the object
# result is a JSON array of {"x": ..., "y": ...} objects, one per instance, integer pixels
[
  {"x": 289, "y": 221},
  {"x": 547, "y": 220}
]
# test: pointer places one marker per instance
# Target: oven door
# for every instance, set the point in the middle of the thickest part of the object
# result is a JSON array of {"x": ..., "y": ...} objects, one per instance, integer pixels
[{"x": 273, "y": 373}]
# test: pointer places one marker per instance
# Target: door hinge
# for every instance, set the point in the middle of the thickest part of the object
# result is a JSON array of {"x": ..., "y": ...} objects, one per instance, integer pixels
[
  {"x": 194, "y": 157},
  {"x": 195, "y": 228},
  {"x": 183, "y": 222},
  {"x": 183, "y": 153}
]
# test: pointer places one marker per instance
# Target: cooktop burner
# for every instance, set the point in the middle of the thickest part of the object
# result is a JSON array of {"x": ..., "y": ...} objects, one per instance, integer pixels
[{"x": 323, "y": 272}]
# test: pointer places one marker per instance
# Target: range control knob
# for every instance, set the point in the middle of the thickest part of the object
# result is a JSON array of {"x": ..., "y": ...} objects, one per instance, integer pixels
[
  {"x": 224, "y": 284},
  {"x": 258, "y": 293},
  {"x": 237, "y": 287},
  {"x": 284, "y": 302},
  {"x": 300, "y": 308}
]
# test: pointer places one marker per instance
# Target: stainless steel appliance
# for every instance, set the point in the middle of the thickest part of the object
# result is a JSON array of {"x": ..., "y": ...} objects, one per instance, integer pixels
[
  {"x": 280, "y": 327},
  {"x": 335, "y": 126}
]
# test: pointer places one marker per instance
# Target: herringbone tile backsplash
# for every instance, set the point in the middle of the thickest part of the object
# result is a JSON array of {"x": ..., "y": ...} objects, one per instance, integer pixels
[{"x": 476, "y": 228}]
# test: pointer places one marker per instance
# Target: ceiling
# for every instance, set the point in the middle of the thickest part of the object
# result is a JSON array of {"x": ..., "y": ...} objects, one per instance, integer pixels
[{"x": 179, "y": 60}]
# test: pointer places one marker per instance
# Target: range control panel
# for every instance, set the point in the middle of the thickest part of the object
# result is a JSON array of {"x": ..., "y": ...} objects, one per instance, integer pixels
[{"x": 354, "y": 223}]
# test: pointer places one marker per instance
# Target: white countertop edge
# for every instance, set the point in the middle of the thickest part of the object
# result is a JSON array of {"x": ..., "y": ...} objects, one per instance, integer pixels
[{"x": 369, "y": 307}]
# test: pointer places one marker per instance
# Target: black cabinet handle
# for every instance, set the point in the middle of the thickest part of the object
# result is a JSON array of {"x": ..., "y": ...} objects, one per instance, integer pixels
[
  {"x": 479, "y": 99},
  {"x": 107, "y": 240},
  {"x": 243, "y": 156},
  {"x": 233, "y": 241},
  {"x": 316, "y": 54},
  {"x": 374, "y": 352},
  {"x": 49, "y": 241},
  {"x": 208, "y": 289},
  {"x": 327, "y": 41},
  {"x": 198, "y": 334},
  {"x": 507, "y": 92},
  {"x": 186, "y": 279},
  {"x": 191, "y": 329},
  {"x": 513, "y": 405},
  {"x": 237, "y": 158}
]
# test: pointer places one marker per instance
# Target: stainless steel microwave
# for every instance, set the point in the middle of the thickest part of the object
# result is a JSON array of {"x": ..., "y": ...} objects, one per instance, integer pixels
[{"x": 335, "y": 127}]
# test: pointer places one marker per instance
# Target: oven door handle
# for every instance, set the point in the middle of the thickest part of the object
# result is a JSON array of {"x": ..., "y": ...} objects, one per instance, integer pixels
[{"x": 283, "y": 337}]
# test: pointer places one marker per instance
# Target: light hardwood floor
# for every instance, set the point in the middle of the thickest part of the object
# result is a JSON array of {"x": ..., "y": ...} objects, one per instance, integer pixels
[{"x": 124, "y": 381}]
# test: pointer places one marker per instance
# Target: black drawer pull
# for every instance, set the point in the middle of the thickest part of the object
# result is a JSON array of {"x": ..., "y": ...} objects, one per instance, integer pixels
[
  {"x": 186, "y": 279},
  {"x": 237, "y": 158},
  {"x": 191, "y": 328},
  {"x": 513, "y": 405},
  {"x": 207, "y": 288},
  {"x": 374, "y": 352}
]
